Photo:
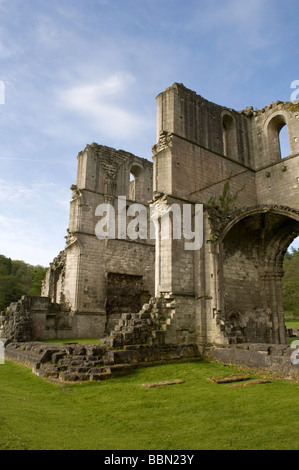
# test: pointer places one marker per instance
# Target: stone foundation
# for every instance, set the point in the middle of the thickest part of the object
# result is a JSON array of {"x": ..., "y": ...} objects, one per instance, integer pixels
[
  {"x": 80, "y": 363},
  {"x": 86, "y": 362},
  {"x": 37, "y": 318},
  {"x": 271, "y": 357}
]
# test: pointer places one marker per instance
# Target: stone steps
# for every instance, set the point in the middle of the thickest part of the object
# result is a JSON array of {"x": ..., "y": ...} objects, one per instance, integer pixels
[
  {"x": 81, "y": 373},
  {"x": 145, "y": 327},
  {"x": 81, "y": 363},
  {"x": 137, "y": 339}
]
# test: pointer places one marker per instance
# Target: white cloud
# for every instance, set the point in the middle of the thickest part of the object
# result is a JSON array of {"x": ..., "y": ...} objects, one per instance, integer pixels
[
  {"x": 98, "y": 103},
  {"x": 33, "y": 222},
  {"x": 14, "y": 193},
  {"x": 33, "y": 192}
]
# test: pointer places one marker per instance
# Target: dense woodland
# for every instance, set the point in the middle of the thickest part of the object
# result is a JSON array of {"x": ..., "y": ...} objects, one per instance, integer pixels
[
  {"x": 290, "y": 283},
  {"x": 18, "y": 278}
]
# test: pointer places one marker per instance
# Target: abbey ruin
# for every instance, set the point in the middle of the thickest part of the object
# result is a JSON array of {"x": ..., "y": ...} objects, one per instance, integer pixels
[{"x": 128, "y": 291}]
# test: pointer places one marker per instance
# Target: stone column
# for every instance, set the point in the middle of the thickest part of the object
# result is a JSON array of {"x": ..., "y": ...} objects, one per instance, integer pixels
[
  {"x": 274, "y": 295},
  {"x": 280, "y": 310}
]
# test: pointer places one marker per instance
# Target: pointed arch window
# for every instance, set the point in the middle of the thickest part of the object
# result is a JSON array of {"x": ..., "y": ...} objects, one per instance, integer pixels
[
  {"x": 229, "y": 136},
  {"x": 279, "y": 145},
  {"x": 284, "y": 143},
  {"x": 136, "y": 184}
]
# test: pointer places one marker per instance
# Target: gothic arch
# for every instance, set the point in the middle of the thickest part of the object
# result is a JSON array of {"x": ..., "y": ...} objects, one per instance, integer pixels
[
  {"x": 229, "y": 135},
  {"x": 136, "y": 184},
  {"x": 239, "y": 214},
  {"x": 252, "y": 248},
  {"x": 274, "y": 126}
]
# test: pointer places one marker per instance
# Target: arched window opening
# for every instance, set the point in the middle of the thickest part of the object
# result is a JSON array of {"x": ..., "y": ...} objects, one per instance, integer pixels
[
  {"x": 284, "y": 142},
  {"x": 57, "y": 285},
  {"x": 228, "y": 133},
  {"x": 278, "y": 138},
  {"x": 132, "y": 187},
  {"x": 136, "y": 183},
  {"x": 224, "y": 130}
]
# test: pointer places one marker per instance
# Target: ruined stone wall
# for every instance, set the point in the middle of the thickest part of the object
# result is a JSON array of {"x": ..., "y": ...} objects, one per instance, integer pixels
[
  {"x": 265, "y": 125},
  {"x": 201, "y": 145},
  {"x": 277, "y": 178},
  {"x": 229, "y": 290},
  {"x": 245, "y": 307},
  {"x": 279, "y": 183},
  {"x": 233, "y": 283},
  {"x": 185, "y": 114},
  {"x": 103, "y": 174},
  {"x": 189, "y": 171}
]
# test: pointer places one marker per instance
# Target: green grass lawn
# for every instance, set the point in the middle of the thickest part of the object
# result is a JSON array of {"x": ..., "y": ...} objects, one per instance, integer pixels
[
  {"x": 120, "y": 414},
  {"x": 292, "y": 323}
]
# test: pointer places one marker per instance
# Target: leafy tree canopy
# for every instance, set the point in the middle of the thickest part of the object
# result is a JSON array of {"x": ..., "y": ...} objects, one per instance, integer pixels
[
  {"x": 290, "y": 282},
  {"x": 18, "y": 278}
]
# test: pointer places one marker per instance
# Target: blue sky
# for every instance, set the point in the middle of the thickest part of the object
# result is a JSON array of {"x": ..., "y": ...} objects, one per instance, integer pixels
[{"x": 83, "y": 71}]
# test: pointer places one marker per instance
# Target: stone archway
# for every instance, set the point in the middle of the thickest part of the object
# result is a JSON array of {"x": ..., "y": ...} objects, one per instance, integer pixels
[{"x": 252, "y": 249}]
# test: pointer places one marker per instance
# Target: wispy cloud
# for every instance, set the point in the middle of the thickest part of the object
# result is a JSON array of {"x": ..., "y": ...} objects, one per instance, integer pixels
[
  {"x": 11, "y": 193},
  {"x": 38, "y": 194},
  {"x": 77, "y": 72},
  {"x": 98, "y": 103},
  {"x": 33, "y": 220},
  {"x": 22, "y": 240}
]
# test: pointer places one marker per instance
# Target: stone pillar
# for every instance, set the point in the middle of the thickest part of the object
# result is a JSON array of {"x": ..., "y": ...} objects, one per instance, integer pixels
[
  {"x": 274, "y": 294},
  {"x": 280, "y": 310}
]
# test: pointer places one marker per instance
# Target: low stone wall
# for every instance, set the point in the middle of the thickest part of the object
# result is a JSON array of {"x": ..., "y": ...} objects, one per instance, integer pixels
[
  {"x": 37, "y": 318},
  {"x": 84, "y": 362},
  {"x": 274, "y": 358},
  {"x": 30, "y": 354},
  {"x": 292, "y": 332},
  {"x": 81, "y": 362},
  {"x": 17, "y": 324}
]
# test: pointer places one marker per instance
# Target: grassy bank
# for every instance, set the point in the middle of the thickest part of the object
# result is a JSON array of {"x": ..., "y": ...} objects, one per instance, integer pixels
[{"x": 121, "y": 414}]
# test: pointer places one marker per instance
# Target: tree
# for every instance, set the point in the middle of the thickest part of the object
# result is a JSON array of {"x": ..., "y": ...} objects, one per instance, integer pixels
[
  {"x": 38, "y": 275},
  {"x": 18, "y": 278},
  {"x": 290, "y": 282}
]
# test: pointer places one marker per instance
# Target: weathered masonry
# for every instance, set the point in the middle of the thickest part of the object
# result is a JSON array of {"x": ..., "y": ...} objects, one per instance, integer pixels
[
  {"x": 154, "y": 291},
  {"x": 95, "y": 281},
  {"x": 230, "y": 290}
]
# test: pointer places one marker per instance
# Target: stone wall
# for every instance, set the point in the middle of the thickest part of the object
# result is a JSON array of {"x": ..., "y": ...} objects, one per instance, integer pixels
[
  {"x": 125, "y": 294},
  {"x": 79, "y": 282},
  {"x": 230, "y": 162},
  {"x": 228, "y": 291},
  {"x": 18, "y": 324},
  {"x": 265, "y": 357}
]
